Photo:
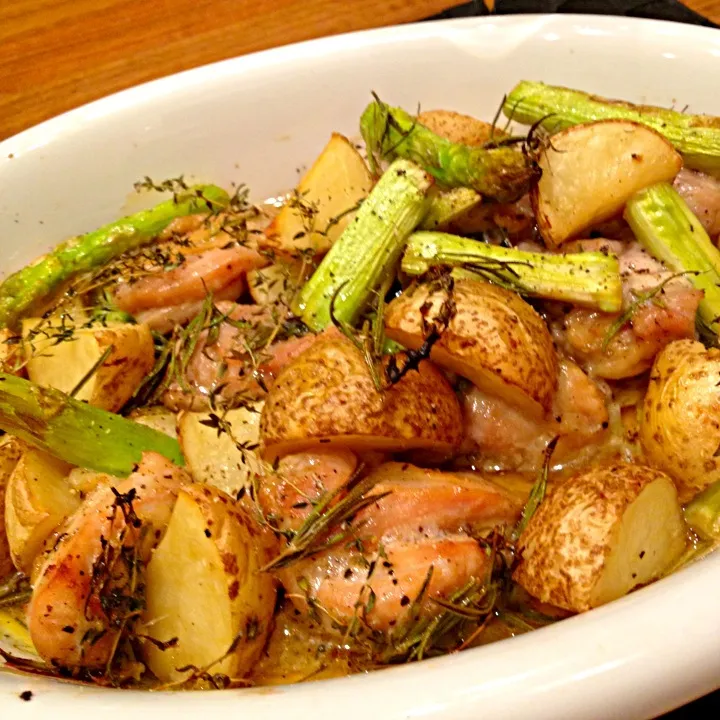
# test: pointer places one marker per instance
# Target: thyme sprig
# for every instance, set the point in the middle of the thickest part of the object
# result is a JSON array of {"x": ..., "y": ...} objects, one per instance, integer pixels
[
  {"x": 116, "y": 580},
  {"x": 174, "y": 355},
  {"x": 177, "y": 186}
]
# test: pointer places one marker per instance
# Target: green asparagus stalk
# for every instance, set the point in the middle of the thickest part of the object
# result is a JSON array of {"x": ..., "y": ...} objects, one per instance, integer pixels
[
  {"x": 591, "y": 279},
  {"x": 449, "y": 205},
  {"x": 76, "y": 432},
  {"x": 501, "y": 173},
  {"x": 696, "y": 137},
  {"x": 702, "y": 513},
  {"x": 667, "y": 228},
  {"x": 368, "y": 249},
  {"x": 86, "y": 252}
]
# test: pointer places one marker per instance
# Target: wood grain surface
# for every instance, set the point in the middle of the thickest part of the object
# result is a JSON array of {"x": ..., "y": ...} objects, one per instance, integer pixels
[{"x": 58, "y": 54}]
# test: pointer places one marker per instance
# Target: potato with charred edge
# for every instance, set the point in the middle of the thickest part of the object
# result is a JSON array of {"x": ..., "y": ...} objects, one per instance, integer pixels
[
  {"x": 219, "y": 450},
  {"x": 324, "y": 202},
  {"x": 599, "y": 534},
  {"x": 206, "y": 596},
  {"x": 680, "y": 419},
  {"x": 590, "y": 171},
  {"x": 38, "y": 498},
  {"x": 63, "y": 365},
  {"x": 495, "y": 339},
  {"x": 326, "y": 396},
  {"x": 10, "y": 452}
]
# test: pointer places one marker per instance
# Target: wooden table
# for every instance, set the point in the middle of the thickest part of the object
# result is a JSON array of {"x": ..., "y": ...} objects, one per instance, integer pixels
[{"x": 58, "y": 54}]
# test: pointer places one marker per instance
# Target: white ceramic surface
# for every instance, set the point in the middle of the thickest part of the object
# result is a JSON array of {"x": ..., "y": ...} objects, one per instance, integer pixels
[{"x": 257, "y": 119}]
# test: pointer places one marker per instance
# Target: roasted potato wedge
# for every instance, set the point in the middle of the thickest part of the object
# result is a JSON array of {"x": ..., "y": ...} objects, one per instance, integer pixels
[
  {"x": 590, "y": 171},
  {"x": 204, "y": 586},
  {"x": 459, "y": 128},
  {"x": 157, "y": 417},
  {"x": 599, "y": 534},
  {"x": 495, "y": 339},
  {"x": 83, "y": 480},
  {"x": 276, "y": 283},
  {"x": 10, "y": 452},
  {"x": 323, "y": 203},
  {"x": 217, "y": 457},
  {"x": 680, "y": 419},
  {"x": 448, "y": 206},
  {"x": 327, "y": 396},
  {"x": 65, "y": 364},
  {"x": 38, "y": 499}
]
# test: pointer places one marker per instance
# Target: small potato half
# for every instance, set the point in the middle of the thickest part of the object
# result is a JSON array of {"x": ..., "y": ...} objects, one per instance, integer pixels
[
  {"x": 326, "y": 396},
  {"x": 680, "y": 419},
  {"x": 324, "y": 202},
  {"x": 459, "y": 128},
  {"x": 276, "y": 283},
  {"x": 204, "y": 586},
  {"x": 38, "y": 498},
  {"x": 495, "y": 339},
  {"x": 590, "y": 171},
  {"x": 157, "y": 417},
  {"x": 65, "y": 364},
  {"x": 10, "y": 452},
  {"x": 213, "y": 457},
  {"x": 599, "y": 534}
]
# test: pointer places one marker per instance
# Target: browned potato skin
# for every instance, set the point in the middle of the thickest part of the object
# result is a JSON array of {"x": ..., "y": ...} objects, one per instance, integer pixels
[
  {"x": 459, "y": 128},
  {"x": 495, "y": 339},
  {"x": 680, "y": 420},
  {"x": 10, "y": 453},
  {"x": 568, "y": 540},
  {"x": 326, "y": 395}
]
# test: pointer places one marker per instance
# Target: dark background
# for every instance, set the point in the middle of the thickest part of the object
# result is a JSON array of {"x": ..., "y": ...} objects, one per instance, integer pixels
[{"x": 709, "y": 706}]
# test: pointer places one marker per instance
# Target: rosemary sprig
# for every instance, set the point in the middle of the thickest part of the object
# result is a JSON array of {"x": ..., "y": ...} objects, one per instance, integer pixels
[
  {"x": 432, "y": 330},
  {"x": 640, "y": 299},
  {"x": 92, "y": 370},
  {"x": 537, "y": 493},
  {"x": 329, "y": 521},
  {"x": 15, "y": 590}
]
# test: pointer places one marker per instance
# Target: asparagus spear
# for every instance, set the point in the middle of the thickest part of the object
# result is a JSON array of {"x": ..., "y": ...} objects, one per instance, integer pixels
[
  {"x": 80, "y": 254},
  {"x": 667, "y": 228},
  {"x": 367, "y": 250},
  {"x": 449, "y": 205},
  {"x": 591, "y": 279},
  {"x": 696, "y": 137},
  {"x": 501, "y": 173},
  {"x": 702, "y": 513},
  {"x": 78, "y": 433}
]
